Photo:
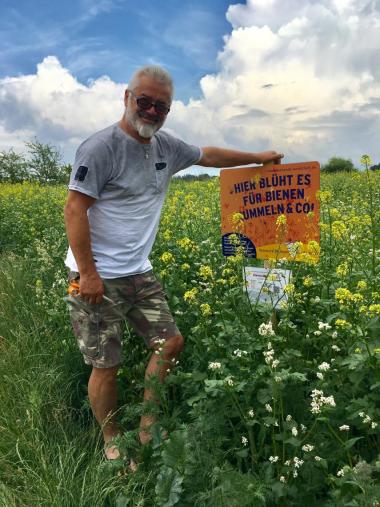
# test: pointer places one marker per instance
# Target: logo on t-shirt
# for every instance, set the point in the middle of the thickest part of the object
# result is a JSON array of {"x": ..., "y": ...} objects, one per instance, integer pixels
[
  {"x": 81, "y": 173},
  {"x": 160, "y": 166}
]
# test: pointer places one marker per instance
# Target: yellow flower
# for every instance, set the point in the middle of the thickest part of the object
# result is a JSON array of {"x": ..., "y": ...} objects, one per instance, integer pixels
[
  {"x": 339, "y": 229},
  {"x": 313, "y": 248},
  {"x": 362, "y": 285},
  {"x": 324, "y": 196},
  {"x": 308, "y": 281},
  {"x": 357, "y": 298},
  {"x": 376, "y": 351},
  {"x": 289, "y": 288},
  {"x": 237, "y": 220},
  {"x": 281, "y": 221},
  {"x": 343, "y": 295},
  {"x": 185, "y": 266},
  {"x": 205, "y": 309},
  {"x": 185, "y": 243},
  {"x": 190, "y": 295},
  {"x": 235, "y": 259},
  {"x": 366, "y": 161},
  {"x": 342, "y": 323},
  {"x": 233, "y": 239},
  {"x": 167, "y": 257},
  {"x": 167, "y": 235},
  {"x": 374, "y": 309},
  {"x": 342, "y": 269},
  {"x": 358, "y": 350},
  {"x": 205, "y": 272}
]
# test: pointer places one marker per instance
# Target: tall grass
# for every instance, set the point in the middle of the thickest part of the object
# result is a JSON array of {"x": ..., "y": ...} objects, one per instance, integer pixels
[{"x": 50, "y": 453}]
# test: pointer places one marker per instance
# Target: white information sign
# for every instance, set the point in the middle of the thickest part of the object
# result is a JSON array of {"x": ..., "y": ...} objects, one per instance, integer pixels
[{"x": 267, "y": 285}]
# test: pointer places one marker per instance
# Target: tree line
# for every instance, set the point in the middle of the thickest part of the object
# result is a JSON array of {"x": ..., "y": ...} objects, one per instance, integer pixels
[{"x": 42, "y": 163}]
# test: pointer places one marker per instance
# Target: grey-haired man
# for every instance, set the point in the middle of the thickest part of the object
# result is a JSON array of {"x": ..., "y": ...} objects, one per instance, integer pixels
[{"x": 116, "y": 192}]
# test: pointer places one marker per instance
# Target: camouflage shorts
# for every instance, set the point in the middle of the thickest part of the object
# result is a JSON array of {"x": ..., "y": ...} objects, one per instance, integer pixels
[{"x": 137, "y": 299}]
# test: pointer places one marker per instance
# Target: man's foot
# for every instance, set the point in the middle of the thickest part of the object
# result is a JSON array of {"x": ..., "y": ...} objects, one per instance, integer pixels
[
  {"x": 111, "y": 451},
  {"x": 146, "y": 423}
]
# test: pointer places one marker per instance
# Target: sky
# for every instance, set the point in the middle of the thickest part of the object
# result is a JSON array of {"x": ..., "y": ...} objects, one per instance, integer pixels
[{"x": 298, "y": 76}]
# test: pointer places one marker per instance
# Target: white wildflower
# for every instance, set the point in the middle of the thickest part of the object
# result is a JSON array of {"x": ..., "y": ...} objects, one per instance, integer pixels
[
  {"x": 318, "y": 400},
  {"x": 317, "y": 458},
  {"x": 275, "y": 363},
  {"x": 322, "y": 326},
  {"x": 373, "y": 425},
  {"x": 288, "y": 418},
  {"x": 287, "y": 463},
  {"x": 214, "y": 366},
  {"x": 335, "y": 334},
  {"x": 244, "y": 440},
  {"x": 268, "y": 408},
  {"x": 307, "y": 447},
  {"x": 303, "y": 428},
  {"x": 273, "y": 459},
  {"x": 324, "y": 366},
  {"x": 240, "y": 353},
  {"x": 294, "y": 431},
  {"x": 266, "y": 329},
  {"x": 344, "y": 427},
  {"x": 336, "y": 348},
  {"x": 320, "y": 375},
  {"x": 282, "y": 479},
  {"x": 251, "y": 413},
  {"x": 340, "y": 473},
  {"x": 317, "y": 333},
  {"x": 297, "y": 462}
]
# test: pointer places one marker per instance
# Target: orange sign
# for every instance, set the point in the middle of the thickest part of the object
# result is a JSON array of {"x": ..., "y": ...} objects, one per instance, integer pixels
[{"x": 278, "y": 212}]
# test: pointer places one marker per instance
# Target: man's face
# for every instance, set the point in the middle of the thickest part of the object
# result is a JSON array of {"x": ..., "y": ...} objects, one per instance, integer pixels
[{"x": 147, "y": 121}]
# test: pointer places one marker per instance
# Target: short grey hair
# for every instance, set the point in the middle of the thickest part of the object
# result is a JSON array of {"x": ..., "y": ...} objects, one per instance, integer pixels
[{"x": 154, "y": 72}]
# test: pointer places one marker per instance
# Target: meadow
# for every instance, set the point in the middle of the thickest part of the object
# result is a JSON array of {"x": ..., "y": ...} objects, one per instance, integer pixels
[{"x": 259, "y": 411}]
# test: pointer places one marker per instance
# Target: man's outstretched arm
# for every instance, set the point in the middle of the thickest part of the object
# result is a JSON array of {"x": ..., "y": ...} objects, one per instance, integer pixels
[{"x": 221, "y": 157}]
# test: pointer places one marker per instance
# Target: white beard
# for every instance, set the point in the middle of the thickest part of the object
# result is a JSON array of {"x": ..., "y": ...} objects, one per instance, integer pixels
[{"x": 144, "y": 129}]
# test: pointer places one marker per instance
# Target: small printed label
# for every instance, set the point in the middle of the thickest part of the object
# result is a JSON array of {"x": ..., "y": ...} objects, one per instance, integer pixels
[
  {"x": 267, "y": 285},
  {"x": 81, "y": 173}
]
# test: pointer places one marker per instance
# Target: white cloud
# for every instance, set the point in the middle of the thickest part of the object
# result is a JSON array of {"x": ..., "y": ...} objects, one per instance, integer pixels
[{"x": 294, "y": 75}]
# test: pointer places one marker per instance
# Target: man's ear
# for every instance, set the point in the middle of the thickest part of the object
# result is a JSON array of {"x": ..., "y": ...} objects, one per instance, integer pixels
[{"x": 126, "y": 95}]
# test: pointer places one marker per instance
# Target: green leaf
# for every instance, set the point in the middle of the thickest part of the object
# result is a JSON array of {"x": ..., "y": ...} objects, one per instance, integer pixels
[
  {"x": 202, "y": 395},
  {"x": 373, "y": 327},
  {"x": 351, "y": 442},
  {"x": 243, "y": 453},
  {"x": 174, "y": 453},
  {"x": 168, "y": 487},
  {"x": 263, "y": 395}
]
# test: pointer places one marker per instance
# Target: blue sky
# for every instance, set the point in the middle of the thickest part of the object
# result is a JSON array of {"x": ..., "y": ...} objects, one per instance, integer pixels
[
  {"x": 298, "y": 76},
  {"x": 114, "y": 37}
]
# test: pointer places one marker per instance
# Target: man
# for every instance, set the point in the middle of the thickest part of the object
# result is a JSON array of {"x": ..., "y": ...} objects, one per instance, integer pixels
[{"x": 116, "y": 192}]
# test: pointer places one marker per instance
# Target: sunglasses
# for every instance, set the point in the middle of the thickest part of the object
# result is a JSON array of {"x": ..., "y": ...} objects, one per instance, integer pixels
[{"x": 146, "y": 103}]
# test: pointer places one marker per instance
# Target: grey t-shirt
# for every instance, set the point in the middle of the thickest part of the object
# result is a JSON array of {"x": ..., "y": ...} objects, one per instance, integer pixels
[{"x": 129, "y": 180}]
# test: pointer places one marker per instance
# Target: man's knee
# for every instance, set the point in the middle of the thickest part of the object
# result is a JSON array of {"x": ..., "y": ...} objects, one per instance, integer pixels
[{"x": 174, "y": 345}]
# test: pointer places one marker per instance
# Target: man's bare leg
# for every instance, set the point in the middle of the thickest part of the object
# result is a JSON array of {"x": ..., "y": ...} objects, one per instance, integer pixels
[
  {"x": 102, "y": 392},
  {"x": 157, "y": 367}
]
